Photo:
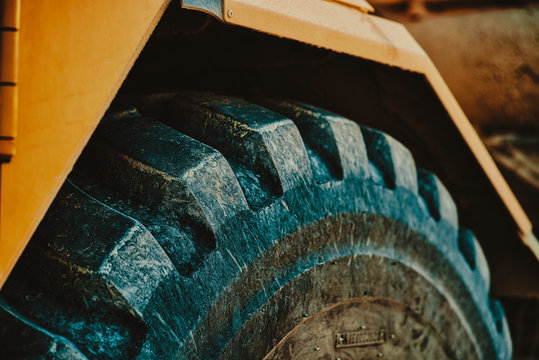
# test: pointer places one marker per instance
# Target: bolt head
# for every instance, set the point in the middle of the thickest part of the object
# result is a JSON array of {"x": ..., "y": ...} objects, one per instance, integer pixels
[{"x": 229, "y": 12}]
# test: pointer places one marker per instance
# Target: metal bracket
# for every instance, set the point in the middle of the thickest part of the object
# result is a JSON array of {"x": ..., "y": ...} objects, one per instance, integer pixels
[{"x": 212, "y": 7}]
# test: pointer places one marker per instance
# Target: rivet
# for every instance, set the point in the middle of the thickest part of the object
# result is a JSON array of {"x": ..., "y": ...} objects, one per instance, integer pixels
[
  {"x": 362, "y": 327},
  {"x": 379, "y": 355},
  {"x": 393, "y": 336},
  {"x": 229, "y": 12},
  {"x": 316, "y": 348}
]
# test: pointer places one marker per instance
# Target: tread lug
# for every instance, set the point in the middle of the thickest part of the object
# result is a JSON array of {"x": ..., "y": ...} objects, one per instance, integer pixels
[
  {"x": 337, "y": 141},
  {"x": 474, "y": 256},
  {"x": 503, "y": 343},
  {"x": 439, "y": 202},
  {"x": 264, "y": 148},
  {"x": 180, "y": 169},
  {"x": 391, "y": 158}
]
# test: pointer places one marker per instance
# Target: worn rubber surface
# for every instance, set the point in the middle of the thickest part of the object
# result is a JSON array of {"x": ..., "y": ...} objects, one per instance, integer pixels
[{"x": 218, "y": 228}]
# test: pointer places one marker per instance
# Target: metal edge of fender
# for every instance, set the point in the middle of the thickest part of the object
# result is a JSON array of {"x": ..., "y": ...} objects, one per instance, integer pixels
[
  {"x": 10, "y": 20},
  {"x": 370, "y": 37}
]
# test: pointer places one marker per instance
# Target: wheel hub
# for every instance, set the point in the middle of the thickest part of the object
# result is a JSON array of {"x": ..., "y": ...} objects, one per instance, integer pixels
[{"x": 362, "y": 328}]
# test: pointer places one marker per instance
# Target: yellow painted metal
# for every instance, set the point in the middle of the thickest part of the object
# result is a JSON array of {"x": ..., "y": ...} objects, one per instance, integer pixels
[
  {"x": 73, "y": 57},
  {"x": 9, "y": 41},
  {"x": 10, "y": 11},
  {"x": 344, "y": 29},
  {"x": 10, "y": 14},
  {"x": 8, "y": 119}
]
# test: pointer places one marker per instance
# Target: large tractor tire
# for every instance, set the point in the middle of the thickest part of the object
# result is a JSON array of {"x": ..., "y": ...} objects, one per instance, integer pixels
[{"x": 231, "y": 231}]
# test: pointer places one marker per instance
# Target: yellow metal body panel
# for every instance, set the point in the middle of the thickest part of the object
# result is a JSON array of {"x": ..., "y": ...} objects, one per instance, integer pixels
[
  {"x": 8, "y": 114},
  {"x": 9, "y": 40},
  {"x": 344, "y": 29},
  {"x": 73, "y": 57}
]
